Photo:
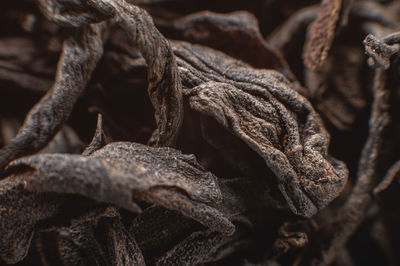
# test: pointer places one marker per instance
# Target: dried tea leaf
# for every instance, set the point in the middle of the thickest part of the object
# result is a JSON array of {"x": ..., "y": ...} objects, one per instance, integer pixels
[
  {"x": 251, "y": 127},
  {"x": 236, "y": 33},
  {"x": 72, "y": 13},
  {"x": 164, "y": 84},
  {"x": 393, "y": 38},
  {"x": 261, "y": 108},
  {"x": 284, "y": 37},
  {"x": 379, "y": 51},
  {"x": 123, "y": 248},
  {"x": 95, "y": 238},
  {"x": 46, "y": 117},
  {"x": 65, "y": 141},
  {"x": 354, "y": 210},
  {"x": 20, "y": 210},
  {"x": 157, "y": 229},
  {"x": 199, "y": 247},
  {"x": 121, "y": 171},
  {"x": 164, "y": 89},
  {"x": 206, "y": 215},
  {"x": 337, "y": 89},
  {"x": 292, "y": 235},
  {"x": 321, "y": 34},
  {"x": 388, "y": 179},
  {"x": 233, "y": 150},
  {"x": 162, "y": 167}
]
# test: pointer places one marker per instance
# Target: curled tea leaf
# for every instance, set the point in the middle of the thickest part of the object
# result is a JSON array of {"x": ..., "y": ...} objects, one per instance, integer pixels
[
  {"x": 121, "y": 171},
  {"x": 46, "y": 117},
  {"x": 236, "y": 33},
  {"x": 81, "y": 53},
  {"x": 292, "y": 235},
  {"x": 387, "y": 180},
  {"x": 261, "y": 108},
  {"x": 321, "y": 33},
  {"x": 379, "y": 52},
  {"x": 357, "y": 204}
]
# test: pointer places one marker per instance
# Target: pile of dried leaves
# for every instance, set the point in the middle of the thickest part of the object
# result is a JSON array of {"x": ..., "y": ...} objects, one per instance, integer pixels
[{"x": 268, "y": 133}]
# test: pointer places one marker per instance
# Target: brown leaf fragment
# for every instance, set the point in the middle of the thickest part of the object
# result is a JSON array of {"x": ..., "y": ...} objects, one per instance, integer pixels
[
  {"x": 321, "y": 33},
  {"x": 121, "y": 171},
  {"x": 260, "y": 107}
]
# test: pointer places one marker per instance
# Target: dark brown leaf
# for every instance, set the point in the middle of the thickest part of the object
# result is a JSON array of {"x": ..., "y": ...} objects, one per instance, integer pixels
[
  {"x": 321, "y": 34},
  {"x": 237, "y": 34},
  {"x": 95, "y": 238},
  {"x": 121, "y": 171},
  {"x": 20, "y": 210},
  {"x": 262, "y": 109}
]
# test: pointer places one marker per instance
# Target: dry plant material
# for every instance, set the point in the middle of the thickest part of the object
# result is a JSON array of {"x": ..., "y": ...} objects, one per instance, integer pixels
[
  {"x": 321, "y": 34},
  {"x": 358, "y": 202},
  {"x": 20, "y": 210},
  {"x": 262, "y": 108},
  {"x": 81, "y": 243},
  {"x": 122, "y": 171},
  {"x": 228, "y": 132},
  {"x": 72, "y": 76},
  {"x": 235, "y": 33}
]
